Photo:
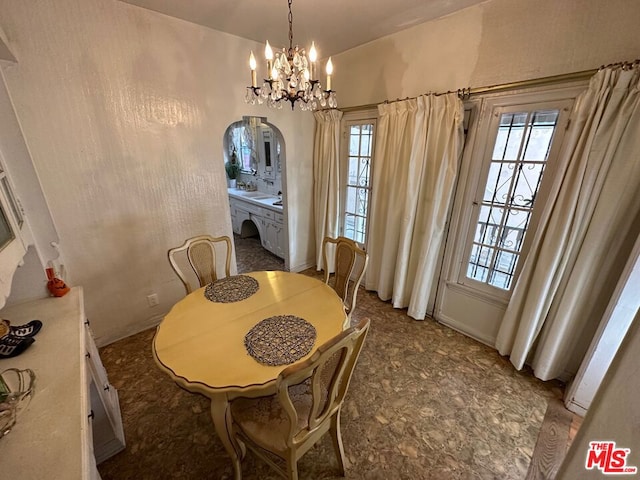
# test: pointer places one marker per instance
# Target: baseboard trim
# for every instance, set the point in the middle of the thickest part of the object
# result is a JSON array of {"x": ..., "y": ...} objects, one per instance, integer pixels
[{"x": 303, "y": 267}]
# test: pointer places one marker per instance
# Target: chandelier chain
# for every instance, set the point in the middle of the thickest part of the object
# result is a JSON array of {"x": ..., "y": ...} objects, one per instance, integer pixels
[{"x": 290, "y": 27}]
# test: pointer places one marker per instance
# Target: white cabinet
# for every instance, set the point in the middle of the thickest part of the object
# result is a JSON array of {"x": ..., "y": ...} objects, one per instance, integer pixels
[
  {"x": 268, "y": 222},
  {"x": 108, "y": 433},
  {"x": 73, "y": 420},
  {"x": 273, "y": 240}
]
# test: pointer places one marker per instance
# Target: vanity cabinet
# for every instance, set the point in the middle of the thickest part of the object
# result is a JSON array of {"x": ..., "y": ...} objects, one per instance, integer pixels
[
  {"x": 273, "y": 240},
  {"x": 73, "y": 420},
  {"x": 268, "y": 222}
]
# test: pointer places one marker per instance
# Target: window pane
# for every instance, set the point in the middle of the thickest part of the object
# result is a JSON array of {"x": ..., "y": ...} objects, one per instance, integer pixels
[
  {"x": 362, "y": 204},
  {"x": 361, "y": 224},
  {"x": 349, "y": 226},
  {"x": 499, "y": 182},
  {"x": 17, "y": 212},
  {"x": 354, "y": 140},
  {"x": 6, "y": 234},
  {"x": 528, "y": 180},
  {"x": 350, "y": 204},
  {"x": 363, "y": 174},
  {"x": 365, "y": 147},
  {"x": 352, "y": 178}
]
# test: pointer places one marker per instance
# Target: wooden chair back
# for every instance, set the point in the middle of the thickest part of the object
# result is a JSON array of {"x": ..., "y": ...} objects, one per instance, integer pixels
[
  {"x": 349, "y": 266},
  {"x": 201, "y": 252}
]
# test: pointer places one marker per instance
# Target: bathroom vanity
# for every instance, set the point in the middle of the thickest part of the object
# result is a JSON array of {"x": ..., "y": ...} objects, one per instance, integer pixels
[{"x": 262, "y": 211}]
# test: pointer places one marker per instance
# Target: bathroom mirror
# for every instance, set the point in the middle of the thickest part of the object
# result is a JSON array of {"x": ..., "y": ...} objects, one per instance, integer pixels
[{"x": 258, "y": 146}]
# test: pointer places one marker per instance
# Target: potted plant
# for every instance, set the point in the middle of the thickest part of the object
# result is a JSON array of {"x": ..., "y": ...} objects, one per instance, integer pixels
[{"x": 233, "y": 168}]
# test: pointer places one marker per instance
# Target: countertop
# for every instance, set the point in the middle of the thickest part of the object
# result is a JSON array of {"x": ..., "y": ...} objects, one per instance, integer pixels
[
  {"x": 261, "y": 199},
  {"x": 51, "y": 438}
]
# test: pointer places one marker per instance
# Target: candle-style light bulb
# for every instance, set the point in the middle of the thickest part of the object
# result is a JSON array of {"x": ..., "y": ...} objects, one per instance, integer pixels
[
  {"x": 268, "y": 54},
  {"x": 313, "y": 56},
  {"x": 252, "y": 66},
  {"x": 329, "y": 70}
]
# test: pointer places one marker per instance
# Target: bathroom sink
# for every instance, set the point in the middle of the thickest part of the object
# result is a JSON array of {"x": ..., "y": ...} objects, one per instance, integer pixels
[{"x": 256, "y": 195}]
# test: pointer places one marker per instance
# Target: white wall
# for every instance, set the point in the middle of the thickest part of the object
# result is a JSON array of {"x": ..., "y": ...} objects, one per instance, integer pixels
[
  {"x": 38, "y": 228},
  {"x": 492, "y": 43},
  {"x": 123, "y": 111},
  {"x": 622, "y": 308},
  {"x": 614, "y": 414}
]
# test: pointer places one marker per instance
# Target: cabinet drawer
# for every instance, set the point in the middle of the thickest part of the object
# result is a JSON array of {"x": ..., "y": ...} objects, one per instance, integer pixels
[
  {"x": 269, "y": 214},
  {"x": 248, "y": 207},
  {"x": 272, "y": 215}
]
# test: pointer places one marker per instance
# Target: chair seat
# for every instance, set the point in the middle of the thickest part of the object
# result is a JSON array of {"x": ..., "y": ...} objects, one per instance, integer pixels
[
  {"x": 264, "y": 420},
  {"x": 306, "y": 405}
]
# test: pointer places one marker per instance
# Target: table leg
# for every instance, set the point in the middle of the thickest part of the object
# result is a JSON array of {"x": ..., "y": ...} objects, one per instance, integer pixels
[{"x": 221, "y": 415}]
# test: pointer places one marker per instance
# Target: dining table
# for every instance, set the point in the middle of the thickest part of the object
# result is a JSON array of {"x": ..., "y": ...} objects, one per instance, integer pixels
[{"x": 232, "y": 338}]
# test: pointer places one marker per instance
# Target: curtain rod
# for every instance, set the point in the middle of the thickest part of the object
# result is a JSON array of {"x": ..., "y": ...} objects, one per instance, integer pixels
[{"x": 465, "y": 93}]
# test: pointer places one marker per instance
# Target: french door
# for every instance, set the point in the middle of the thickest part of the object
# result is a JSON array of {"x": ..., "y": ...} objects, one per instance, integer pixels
[{"x": 506, "y": 172}]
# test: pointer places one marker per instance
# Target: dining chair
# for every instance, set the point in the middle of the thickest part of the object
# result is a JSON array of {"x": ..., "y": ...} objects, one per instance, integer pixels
[
  {"x": 201, "y": 254},
  {"x": 349, "y": 266},
  {"x": 307, "y": 404}
]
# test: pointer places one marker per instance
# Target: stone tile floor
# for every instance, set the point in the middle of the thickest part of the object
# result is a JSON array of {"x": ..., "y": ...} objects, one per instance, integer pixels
[{"x": 425, "y": 402}]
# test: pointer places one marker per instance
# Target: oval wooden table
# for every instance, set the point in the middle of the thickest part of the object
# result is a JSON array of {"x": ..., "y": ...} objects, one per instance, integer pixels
[{"x": 200, "y": 343}]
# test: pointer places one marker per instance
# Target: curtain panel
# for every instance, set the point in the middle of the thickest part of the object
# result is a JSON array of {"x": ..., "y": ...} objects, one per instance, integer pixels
[
  {"x": 326, "y": 178},
  {"x": 586, "y": 231},
  {"x": 418, "y": 147}
]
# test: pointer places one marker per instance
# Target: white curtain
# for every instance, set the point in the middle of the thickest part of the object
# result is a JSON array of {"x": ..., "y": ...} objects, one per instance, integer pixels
[
  {"x": 586, "y": 230},
  {"x": 326, "y": 177},
  {"x": 418, "y": 145}
]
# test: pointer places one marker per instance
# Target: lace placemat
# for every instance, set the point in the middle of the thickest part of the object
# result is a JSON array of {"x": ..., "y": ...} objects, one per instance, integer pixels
[
  {"x": 280, "y": 340},
  {"x": 231, "y": 289}
]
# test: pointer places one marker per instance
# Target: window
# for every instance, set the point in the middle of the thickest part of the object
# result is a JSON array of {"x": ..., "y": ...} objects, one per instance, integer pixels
[
  {"x": 519, "y": 157},
  {"x": 13, "y": 201},
  {"x": 518, "y": 149},
  {"x": 6, "y": 230},
  {"x": 357, "y": 190}
]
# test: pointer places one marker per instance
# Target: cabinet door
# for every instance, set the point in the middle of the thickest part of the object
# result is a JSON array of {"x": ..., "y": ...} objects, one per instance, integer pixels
[
  {"x": 235, "y": 224},
  {"x": 281, "y": 242},
  {"x": 274, "y": 237},
  {"x": 108, "y": 432}
]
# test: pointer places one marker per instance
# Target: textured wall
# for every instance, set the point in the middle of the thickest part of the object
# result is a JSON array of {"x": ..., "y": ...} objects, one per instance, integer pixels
[
  {"x": 496, "y": 42},
  {"x": 123, "y": 111}
]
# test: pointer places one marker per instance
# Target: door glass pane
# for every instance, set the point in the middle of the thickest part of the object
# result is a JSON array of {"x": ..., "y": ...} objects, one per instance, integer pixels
[
  {"x": 358, "y": 185},
  {"x": 522, "y": 144},
  {"x": 351, "y": 200}
]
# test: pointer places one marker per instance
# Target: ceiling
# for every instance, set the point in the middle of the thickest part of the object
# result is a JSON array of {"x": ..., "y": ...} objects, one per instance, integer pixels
[{"x": 335, "y": 25}]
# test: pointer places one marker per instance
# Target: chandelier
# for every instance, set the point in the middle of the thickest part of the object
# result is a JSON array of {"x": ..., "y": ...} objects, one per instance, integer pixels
[{"x": 292, "y": 78}]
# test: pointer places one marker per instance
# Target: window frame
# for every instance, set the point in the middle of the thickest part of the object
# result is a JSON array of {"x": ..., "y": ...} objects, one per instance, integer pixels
[
  {"x": 362, "y": 117},
  {"x": 465, "y": 213},
  {"x": 490, "y": 138}
]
